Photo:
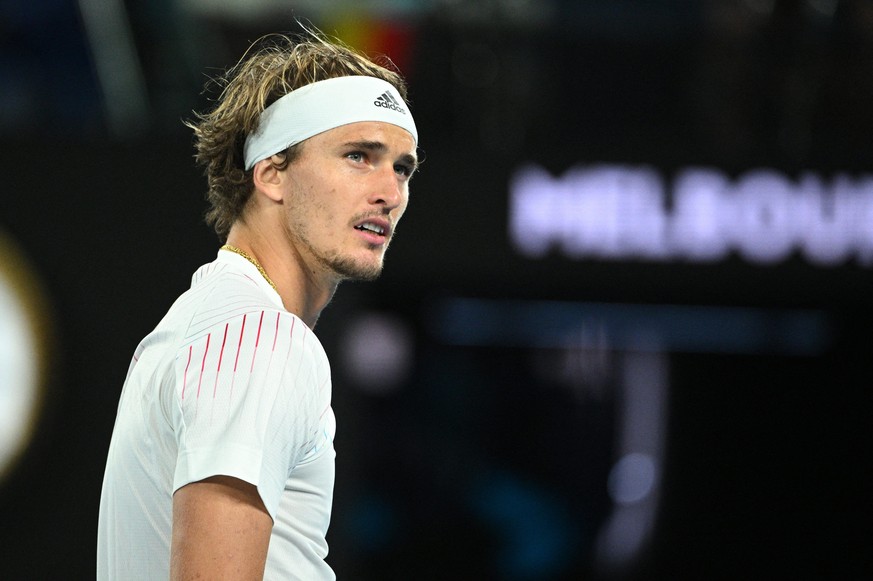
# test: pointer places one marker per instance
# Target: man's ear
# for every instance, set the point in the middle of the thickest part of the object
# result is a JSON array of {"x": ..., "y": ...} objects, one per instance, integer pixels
[{"x": 267, "y": 179}]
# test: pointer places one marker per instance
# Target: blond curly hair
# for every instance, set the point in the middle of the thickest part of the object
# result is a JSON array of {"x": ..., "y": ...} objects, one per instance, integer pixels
[{"x": 272, "y": 67}]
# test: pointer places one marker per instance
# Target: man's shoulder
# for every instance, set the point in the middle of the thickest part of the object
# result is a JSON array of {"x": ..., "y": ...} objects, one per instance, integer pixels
[
  {"x": 225, "y": 294},
  {"x": 219, "y": 293},
  {"x": 225, "y": 282}
]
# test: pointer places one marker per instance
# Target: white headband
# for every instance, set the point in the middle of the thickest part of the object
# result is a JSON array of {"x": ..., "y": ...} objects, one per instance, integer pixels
[{"x": 323, "y": 105}]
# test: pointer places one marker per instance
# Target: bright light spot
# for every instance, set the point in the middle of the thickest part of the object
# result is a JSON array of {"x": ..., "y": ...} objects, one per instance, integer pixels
[
  {"x": 22, "y": 368},
  {"x": 17, "y": 373},
  {"x": 377, "y": 352},
  {"x": 632, "y": 478}
]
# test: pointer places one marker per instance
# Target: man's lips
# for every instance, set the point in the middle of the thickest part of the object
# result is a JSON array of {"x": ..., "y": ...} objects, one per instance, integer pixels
[{"x": 375, "y": 229}]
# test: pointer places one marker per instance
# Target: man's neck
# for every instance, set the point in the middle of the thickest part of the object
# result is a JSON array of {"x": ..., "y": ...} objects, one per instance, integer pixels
[{"x": 303, "y": 291}]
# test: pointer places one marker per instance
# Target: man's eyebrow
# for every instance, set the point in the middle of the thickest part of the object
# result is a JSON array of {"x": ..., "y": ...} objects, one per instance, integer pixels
[
  {"x": 410, "y": 160},
  {"x": 380, "y": 147},
  {"x": 368, "y": 145}
]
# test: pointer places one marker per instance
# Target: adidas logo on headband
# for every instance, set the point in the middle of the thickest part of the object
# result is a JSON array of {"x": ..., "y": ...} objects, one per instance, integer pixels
[{"x": 388, "y": 102}]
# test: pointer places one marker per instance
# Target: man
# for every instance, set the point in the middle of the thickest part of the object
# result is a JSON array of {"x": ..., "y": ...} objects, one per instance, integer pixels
[{"x": 221, "y": 464}]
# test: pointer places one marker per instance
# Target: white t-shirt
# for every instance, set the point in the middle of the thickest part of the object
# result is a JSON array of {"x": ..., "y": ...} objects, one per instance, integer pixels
[{"x": 228, "y": 383}]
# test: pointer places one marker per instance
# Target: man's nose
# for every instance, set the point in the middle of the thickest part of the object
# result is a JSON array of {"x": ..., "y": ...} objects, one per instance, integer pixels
[{"x": 389, "y": 189}]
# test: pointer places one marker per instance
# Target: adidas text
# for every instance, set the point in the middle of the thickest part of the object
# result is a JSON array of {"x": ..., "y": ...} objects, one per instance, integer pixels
[{"x": 385, "y": 100}]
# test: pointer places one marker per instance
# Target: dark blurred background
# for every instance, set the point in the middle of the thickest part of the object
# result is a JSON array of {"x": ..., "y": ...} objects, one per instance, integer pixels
[{"x": 568, "y": 369}]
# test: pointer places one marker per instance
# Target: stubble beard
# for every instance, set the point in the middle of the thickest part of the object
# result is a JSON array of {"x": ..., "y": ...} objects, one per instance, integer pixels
[
  {"x": 348, "y": 269},
  {"x": 344, "y": 267}
]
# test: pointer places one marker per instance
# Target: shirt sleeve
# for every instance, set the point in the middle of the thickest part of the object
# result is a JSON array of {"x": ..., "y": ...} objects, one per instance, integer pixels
[{"x": 247, "y": 400}]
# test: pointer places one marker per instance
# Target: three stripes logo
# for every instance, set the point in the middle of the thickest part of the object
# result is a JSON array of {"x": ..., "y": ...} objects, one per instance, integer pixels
[{"x": 387, "y": 101}]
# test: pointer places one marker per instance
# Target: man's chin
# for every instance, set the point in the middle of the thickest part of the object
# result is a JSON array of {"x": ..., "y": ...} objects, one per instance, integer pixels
[{"x": 356, "y": 271}]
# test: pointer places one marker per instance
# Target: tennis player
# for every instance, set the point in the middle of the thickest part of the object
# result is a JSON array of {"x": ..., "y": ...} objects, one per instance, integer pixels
[{"x": 221, "y": 463}]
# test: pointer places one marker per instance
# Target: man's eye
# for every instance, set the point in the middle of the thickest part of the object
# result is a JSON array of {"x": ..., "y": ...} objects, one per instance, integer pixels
[
  {"x": 355, "y": 156},
  {"x": 404, "y": 170}
]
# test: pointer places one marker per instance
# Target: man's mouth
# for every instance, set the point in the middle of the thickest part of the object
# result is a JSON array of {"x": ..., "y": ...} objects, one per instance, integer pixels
[{"x": 371, "y": 227}]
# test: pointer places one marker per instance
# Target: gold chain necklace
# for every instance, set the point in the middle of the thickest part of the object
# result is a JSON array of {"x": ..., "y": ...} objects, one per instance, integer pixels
[{"x": 254, "y": 262}]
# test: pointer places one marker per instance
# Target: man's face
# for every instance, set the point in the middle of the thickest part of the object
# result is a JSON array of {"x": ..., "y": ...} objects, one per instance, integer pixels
[{"x": 346, "y": 192}]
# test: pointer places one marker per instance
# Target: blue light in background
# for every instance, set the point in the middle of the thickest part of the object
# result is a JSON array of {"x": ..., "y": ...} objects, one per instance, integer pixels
[{"x": 671, "y": 328}]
